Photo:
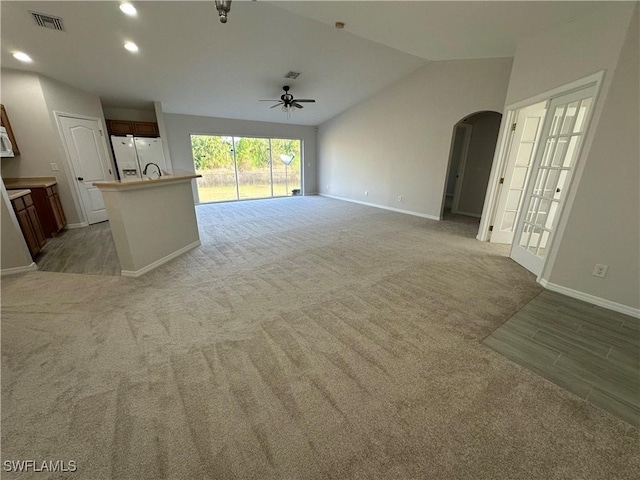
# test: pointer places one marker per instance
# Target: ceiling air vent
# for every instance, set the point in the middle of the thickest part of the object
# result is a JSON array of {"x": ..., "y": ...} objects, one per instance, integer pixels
[
  {"x": 292, "y": 75},
  {"x": 48, "y": 21}
]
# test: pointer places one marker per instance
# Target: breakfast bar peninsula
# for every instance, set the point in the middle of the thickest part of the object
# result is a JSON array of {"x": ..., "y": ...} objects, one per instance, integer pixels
[{"x": 152, "y": 220}]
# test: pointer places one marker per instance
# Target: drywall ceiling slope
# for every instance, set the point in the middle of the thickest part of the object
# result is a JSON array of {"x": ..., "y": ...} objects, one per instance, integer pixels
[
  {"x": 195, "y": 65},
  {"x": 445, "y": 30}
]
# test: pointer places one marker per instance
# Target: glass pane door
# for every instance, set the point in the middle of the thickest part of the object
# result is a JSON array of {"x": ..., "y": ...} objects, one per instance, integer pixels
[
  {"x": 240, "y": 168},
  {"x": 519, "y": 162},
  {"x": 213, "y": 159},
  {"x": 562, "y": 136},
  {"x": 285, "y": 156},
  {"x": 254, "y": 167}
]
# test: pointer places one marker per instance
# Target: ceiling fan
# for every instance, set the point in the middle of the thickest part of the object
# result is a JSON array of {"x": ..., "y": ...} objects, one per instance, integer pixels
[{"x": 287, "y": 102}]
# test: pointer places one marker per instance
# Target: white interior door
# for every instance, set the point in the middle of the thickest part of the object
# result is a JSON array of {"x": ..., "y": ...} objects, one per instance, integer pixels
[
  {"x": 87, "y": 152},
  {"x": 519, "y": 161},
  {"x": 562, "y": 135}
]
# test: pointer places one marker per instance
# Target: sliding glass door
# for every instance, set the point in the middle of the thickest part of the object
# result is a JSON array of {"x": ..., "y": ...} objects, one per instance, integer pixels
[
  {"x": 242, "y": 168},
  {"x": 285, "y": 159}
]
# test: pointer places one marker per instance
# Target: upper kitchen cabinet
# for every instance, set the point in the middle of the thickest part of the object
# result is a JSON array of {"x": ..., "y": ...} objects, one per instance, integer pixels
[
  {"x": 4, "y": 122},
  {"x": 128, "y": 127}
]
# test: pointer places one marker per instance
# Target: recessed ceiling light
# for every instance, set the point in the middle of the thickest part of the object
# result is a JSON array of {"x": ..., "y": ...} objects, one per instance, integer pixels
[
  {"x": 132, "y": 47},
  {"x": 128, "y": 9},
  {"x": 23, "y": 57}
]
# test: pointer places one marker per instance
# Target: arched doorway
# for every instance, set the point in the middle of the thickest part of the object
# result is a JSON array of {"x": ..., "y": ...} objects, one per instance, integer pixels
[{"x": 473, "y": 146}]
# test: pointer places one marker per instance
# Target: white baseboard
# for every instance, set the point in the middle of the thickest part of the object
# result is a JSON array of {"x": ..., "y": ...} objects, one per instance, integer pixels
[
  {"x": 161, "y": 261},
  {"x": 384, "y": 207},
  {"x": 585, "y": 297},
  {"x": 71, "y": 226},
  {"x": 15, "y": 270}
]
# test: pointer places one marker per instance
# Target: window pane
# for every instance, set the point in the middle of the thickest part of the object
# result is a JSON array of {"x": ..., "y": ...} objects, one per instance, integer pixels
[
  {"x": 562, "y": 179},
  {"x": 540, "y": 178},
  {"x": 525, "y": 151},
  {"x": 513, "y": 200},
  {"x": 548, "y": 151},
  {"x": 572, "y": 151},
  {"x": 551, "y": 183},
  {"x": 534, "y": 239},
  {"x": 582, "y": 115},
  {"x": 561, "y": 150},
  {"x": 519, "y": 177},
  {"x": 508, "y": 221},
  {"x": 557, "y": 120},
  {"x": 570, "y": 116}
]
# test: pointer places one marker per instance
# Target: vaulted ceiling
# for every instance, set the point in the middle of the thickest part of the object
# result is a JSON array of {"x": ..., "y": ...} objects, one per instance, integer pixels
[{"x": 195, "y": 65}]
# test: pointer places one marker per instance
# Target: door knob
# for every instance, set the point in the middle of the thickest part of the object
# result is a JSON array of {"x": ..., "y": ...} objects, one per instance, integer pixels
[
  {"x": 557, "y": 190},
  {"x": 80, "y": 179}
]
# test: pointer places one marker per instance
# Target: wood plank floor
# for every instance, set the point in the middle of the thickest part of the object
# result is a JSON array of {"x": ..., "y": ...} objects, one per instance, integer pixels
[
  {"x": 588, "y": 350},
  {"x": 89, "y": 250}
]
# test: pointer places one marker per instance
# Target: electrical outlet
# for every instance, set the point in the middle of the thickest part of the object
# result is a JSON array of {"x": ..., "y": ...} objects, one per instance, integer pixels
[
  {"x": 54, "y": 167},
  {"x": 366, "y": 193},
  {"x": 400, "y": 198},
  {"x": 600, "y": 270},
  {"x": 327, "y": 187}
]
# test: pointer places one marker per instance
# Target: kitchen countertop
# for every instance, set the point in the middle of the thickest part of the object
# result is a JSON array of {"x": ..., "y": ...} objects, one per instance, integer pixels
[
  {"x": 13, "y": 194},
  {"x": 146, "y": 182},
  {"x": 29, "y": 182}
]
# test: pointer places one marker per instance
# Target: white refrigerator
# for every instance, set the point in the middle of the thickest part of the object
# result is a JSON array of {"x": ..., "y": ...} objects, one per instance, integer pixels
[{"x": 139, "y": 157}]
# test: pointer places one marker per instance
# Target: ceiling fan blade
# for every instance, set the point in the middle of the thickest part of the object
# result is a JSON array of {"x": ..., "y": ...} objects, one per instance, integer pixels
[
  {"x": 304, "y": 100},
  {"x": 277, "y": 104},
  {"x": 296, "y": 104},
  {"x": 274, "y": 100}
]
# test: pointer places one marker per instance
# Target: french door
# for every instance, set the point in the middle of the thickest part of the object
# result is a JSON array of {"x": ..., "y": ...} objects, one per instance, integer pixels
[
  {"x": 240, "y": 168},
  {"x": 555, "y": 160},
  {"x": 519, "y": 162}
]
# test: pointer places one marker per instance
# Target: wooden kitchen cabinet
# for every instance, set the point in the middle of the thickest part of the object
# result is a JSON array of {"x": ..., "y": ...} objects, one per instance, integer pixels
[
  {"x": 29, "y": 222},
  {"x": 128, "y": 127},
  {"x": 44, "y": 192}
]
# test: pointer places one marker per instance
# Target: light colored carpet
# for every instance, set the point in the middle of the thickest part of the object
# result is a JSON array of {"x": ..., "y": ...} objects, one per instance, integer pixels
[{"x": 307, "y": 338}]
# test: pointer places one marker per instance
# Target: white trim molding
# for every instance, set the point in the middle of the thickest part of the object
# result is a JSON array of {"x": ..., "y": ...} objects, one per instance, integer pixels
[
  {"x": 15, "y": 270},
  {"x": 585, "y": 297},
  {"x": 384, "y": 207},
  {"x": 161, "y": 261},
  {"x": 71, "y": 226}
]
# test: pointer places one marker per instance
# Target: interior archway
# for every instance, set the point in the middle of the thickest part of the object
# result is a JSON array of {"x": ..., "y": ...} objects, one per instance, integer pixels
[{"x": 473, "y": 145}]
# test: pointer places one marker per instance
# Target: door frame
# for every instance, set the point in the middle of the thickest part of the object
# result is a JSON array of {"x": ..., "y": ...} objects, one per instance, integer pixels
[
  {"x": 70, "y": 171},
  {"x": 196, "y": 193},
  {"x": 462, "y": 164},
  {"x": 501, "y": 155}
]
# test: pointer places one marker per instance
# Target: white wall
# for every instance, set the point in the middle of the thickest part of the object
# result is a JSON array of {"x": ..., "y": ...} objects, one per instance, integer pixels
[
  {"x": 398, "y": 141},
  {"x": 604, "y": 222},
  {"x": 482, "y": 146},
  {"x": 180, "y": 127},
  {"x": 569, "y": 52},
  {"x": 590, "y": 230},
  {"x": 30, "y": 100}
]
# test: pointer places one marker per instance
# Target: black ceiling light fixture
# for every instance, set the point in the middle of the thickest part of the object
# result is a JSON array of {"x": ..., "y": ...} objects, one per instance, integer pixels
[{"x": 223, "y": 7}]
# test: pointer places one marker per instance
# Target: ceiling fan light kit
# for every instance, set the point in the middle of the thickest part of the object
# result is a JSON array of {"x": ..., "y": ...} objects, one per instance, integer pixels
[
  {"x": 288, "y": 103},
  {"x": 223, "y": 6}
]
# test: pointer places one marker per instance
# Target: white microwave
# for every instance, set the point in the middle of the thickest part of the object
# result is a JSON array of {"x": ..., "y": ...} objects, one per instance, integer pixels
[{"x": 6, "y": 148}]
